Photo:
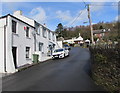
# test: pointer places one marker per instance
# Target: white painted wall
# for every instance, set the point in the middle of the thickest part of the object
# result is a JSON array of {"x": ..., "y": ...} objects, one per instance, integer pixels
[
  {"x": 59, "y": 44},
  {"x": 21, "y": 41},
  {"x": 9, "y": 58},
  {"x": 39, "y": 37},
  {"x": 45, "y": 40}
]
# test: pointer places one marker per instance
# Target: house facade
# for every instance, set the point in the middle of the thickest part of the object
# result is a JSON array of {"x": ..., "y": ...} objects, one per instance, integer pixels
[
  {"x": 45, "y": 38},
  {"x": 101, "y": 33},
  {"x": 22, "y": 37}
]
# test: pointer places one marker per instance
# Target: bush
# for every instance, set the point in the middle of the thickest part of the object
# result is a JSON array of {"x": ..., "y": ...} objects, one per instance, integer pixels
[{"x": 106, "y": 67}]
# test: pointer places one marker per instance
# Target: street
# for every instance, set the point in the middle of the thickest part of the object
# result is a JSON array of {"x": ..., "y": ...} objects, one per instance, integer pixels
[{"x": 68, "y": 74}]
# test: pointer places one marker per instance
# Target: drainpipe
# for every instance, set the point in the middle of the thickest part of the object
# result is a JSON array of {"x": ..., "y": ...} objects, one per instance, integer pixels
[{"x": 5, "y": 45}]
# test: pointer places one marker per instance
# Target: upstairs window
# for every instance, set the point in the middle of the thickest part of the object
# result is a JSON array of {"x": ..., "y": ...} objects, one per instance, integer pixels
[
  {"x": 14, "y": 24},
  {"x": 49, "y": 35},
  {"x": 53, "y": 36},
  {"x": 27, "y": 32},
  {"x": 38, "y": 30},
  {"x": 44, "y": 32}
]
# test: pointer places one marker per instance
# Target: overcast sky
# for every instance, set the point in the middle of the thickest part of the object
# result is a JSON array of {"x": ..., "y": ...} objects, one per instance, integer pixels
[{"x": 67, "y": 13}]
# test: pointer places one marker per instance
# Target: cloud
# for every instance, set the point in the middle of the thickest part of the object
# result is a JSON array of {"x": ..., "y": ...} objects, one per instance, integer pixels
[
  {"x": 80, "y": 17},
  {"x": 115, "y": 5},
  {"x": 38, "y": 14},
  {"x": 65, "y": 16},
  {"x": 117, "y": 18}
]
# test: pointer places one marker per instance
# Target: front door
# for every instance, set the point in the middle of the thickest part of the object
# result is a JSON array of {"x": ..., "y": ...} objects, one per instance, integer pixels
[{"x": 14, "y": 52}]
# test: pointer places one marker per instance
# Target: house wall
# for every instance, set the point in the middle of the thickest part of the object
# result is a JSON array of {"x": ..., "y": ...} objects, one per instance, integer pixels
[
  {"x": 39, "y": 38},
  {"x": 45, "y": 40},
  {"x": 10, "y": 68},
  {"x": 20, "y": 41}
]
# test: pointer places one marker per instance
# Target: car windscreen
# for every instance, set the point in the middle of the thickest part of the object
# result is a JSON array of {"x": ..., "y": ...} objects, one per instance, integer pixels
[
  {"x": 58, "y": 50},
  {"x": 66, "y": 46}
]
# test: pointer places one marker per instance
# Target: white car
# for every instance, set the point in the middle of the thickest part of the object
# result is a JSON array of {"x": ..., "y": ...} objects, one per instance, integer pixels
[{"x": 60, "y": 53}]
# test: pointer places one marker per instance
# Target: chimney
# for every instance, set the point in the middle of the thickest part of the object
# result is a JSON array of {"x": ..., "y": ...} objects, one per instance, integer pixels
[
  {"x": 19, "y": 12},
  {"x": 44, "y": 24}
]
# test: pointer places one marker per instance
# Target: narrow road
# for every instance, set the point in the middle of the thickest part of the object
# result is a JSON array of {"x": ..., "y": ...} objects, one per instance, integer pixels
[{"x": 68, "y": 74}]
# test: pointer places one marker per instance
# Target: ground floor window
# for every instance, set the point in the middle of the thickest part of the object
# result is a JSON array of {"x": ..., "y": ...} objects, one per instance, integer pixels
[
  {"x": 40, "y": 46},
  {"x": 27, "y": 52}
]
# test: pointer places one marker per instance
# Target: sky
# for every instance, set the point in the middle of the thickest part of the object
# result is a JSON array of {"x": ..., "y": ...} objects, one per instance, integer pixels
[{"x": 70, "y": 14}]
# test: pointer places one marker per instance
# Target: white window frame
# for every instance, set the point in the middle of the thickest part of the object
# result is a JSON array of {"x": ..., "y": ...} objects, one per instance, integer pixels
[{"x": 27, "y": 54}]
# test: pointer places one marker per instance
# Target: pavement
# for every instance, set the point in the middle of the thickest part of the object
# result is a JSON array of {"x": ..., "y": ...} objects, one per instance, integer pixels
[{"x": 69, "y": 74}]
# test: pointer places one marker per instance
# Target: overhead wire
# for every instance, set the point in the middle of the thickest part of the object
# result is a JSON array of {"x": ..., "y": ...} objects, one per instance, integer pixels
[{"x": 76, "y": 18}]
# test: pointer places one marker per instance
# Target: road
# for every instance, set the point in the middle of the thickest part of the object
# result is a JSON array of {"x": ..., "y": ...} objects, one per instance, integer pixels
[{"x": 68, "y": 74}]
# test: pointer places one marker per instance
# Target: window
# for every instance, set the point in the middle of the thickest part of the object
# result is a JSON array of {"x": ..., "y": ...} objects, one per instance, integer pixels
[
  {"x": 44, "y": 32},
  {"x": 40, "y": 46},
  {"x": 14, "y": 24},
  {"x": 53, "y": 36},
  {"x": 38, "y": 30},
  {"x": 49, "y": 35},
  {"x": 27, "y": 31},
  {"x": 27, "y": 52}
]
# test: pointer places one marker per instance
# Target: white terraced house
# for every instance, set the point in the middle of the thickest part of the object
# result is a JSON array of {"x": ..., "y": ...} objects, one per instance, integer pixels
[{"x": 22, "y": 37}]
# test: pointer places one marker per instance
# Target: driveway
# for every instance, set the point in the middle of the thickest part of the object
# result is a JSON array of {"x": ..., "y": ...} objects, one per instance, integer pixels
[{"x": 68, "y": 74}]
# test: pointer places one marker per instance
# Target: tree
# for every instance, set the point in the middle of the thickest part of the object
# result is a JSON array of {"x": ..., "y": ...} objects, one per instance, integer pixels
[{"x": 59, "y": 30}]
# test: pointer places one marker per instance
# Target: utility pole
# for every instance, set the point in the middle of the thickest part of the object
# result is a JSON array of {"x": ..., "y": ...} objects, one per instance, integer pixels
[{"x": 90, "y": 22}]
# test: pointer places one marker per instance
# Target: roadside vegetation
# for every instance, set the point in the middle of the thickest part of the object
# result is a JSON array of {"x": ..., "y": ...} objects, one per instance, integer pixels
[{"x": 106, "y": 67}]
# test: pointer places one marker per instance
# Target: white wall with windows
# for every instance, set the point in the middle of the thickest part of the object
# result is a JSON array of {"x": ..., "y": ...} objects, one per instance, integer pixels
[
  {"x": 24, "y": 37},
  {"x": 24, "y": 41},
  {"x": 16, "y": 43}
]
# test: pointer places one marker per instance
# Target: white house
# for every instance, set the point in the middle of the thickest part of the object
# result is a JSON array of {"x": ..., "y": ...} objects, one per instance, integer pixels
[
  {"x": 45, "y": 38},
  {"x": 20, "y": 38},
  {"x": 16, "y": 45},
  {"x": 78, "y": 40},
  {"x": 70, "y": 41}
]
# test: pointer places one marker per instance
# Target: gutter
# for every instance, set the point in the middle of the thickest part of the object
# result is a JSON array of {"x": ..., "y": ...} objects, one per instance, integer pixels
[{"x": 5, "y": 45}]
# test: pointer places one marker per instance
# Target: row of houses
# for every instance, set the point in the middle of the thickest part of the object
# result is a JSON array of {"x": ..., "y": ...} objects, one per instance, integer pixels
[{"x": 21, "y": 37}]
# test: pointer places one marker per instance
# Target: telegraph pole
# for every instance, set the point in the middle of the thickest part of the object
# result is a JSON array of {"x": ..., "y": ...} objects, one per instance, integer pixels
[{"x": 90, "y": 22}]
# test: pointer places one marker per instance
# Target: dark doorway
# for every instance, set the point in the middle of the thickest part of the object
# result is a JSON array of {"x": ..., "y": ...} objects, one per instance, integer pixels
[{"x": 14, "y": 52}]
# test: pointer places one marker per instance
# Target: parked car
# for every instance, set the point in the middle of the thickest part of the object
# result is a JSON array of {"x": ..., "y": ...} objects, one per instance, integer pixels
[
  {"x": 67, "y": 46},
  {"x": 60, "y": 53}
]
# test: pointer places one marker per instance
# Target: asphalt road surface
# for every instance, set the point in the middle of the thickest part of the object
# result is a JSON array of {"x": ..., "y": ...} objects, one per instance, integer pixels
[{"x": 68, "y": 74}]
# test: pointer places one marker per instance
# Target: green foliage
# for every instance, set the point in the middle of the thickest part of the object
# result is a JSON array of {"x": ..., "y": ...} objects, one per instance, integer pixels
[
  {"x": 70, "y": 32},
  {"x": 100, "y": 58},
  {"x": 59, "y": 30},
  {"x": 106, "y": 67}
]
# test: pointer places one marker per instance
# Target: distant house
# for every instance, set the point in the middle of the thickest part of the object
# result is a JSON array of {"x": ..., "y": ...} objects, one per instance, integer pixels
[
  {"x": 22, "y": 37},
  {"x": 69, "y": 41},
  {"x": 101, "y": 33},
  {"x": 78, "y": 40}
]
